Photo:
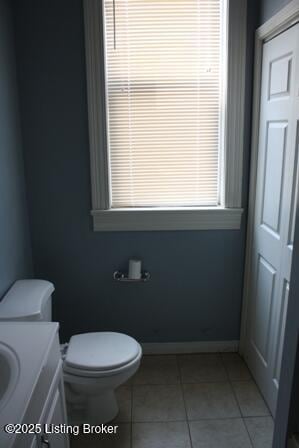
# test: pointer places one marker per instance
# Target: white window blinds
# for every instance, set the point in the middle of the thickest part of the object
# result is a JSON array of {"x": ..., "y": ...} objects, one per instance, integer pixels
[{"x": 163, "y": 79}]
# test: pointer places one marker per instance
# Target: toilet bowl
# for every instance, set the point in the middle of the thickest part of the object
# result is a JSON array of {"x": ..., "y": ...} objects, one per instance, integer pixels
[{"x": 94, "y": 364}]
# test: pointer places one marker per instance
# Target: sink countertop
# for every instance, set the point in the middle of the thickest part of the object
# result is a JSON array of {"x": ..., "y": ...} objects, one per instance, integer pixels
[{"x": 31, "y": 342}]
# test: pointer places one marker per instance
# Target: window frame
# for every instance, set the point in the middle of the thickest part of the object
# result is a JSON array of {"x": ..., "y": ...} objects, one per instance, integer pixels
[{"x": 226, "y": 216}]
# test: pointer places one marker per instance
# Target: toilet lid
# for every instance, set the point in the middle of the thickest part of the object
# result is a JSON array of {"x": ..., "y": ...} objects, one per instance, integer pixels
[{"x": 101, "y": 351}]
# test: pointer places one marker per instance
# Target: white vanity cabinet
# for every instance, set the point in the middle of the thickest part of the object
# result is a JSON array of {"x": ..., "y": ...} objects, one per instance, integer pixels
[{"x": 38, "y": 397}]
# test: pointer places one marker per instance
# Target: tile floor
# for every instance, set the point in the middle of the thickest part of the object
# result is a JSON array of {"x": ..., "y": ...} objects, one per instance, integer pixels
[{"x": 188, "y": 401}]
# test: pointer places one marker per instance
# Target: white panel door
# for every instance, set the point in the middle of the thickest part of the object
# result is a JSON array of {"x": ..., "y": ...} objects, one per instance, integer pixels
[{"x": 276, "y": 189}]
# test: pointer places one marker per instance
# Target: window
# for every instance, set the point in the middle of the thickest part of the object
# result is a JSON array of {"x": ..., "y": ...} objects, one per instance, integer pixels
[
  {"x": 159, "y": 136},
  {"x": 163, "y": 76}
]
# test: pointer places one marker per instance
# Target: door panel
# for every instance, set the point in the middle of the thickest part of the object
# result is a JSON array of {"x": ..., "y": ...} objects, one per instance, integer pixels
[
  {"x": 294, "y": 192},
  {"x": 263, "y": 303},
  {"x": 273, "y": 176},
  {"x": 281, "y": 327},
  {"x": 280, "y": 76}
]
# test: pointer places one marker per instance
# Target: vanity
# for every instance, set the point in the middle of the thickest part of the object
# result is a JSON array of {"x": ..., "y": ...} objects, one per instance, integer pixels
[{"x": 32, "y": 389}]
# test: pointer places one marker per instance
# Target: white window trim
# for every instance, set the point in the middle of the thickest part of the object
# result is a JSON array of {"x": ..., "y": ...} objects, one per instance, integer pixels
[{"x": 174, "y": 218}]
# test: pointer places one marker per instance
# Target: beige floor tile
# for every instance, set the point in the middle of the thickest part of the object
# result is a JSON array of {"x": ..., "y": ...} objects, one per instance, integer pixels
[
  {"x": 261, "y": 431},
  {"x": 124, "y": 399},
  {"x": 250, "y": 399},
  {"x": 158, "y": 403},
  {"x": 201, "y": 368},
  {"x": 122, "y": 439},
  {"x": 155, "y": 403},
  {"x": 236, "y": 367},
  {"x": 158, "y": 370},
  {"x": 160, "y": 435},
  {"x": 229, "y": 433},
  {"x": 210, "y": 400}
]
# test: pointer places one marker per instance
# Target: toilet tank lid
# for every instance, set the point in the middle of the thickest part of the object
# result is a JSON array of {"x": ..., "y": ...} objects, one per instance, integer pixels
[{"x": 25, "y": 298}]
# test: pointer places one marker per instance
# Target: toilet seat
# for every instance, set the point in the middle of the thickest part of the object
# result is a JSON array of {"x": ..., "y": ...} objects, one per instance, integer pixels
[
  {"x": 100, "y": 354},
  {"x": 82, "y": 375}
]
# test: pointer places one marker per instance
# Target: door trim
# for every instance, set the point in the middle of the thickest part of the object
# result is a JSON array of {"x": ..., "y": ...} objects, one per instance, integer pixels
[{"x": 279, "y": 23}]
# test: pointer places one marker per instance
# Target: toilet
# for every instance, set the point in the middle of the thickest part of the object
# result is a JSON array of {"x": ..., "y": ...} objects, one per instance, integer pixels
[{"x": 94, "y": 364}]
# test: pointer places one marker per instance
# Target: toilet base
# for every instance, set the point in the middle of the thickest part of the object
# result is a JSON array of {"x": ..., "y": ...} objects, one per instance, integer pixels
[{"x": 102, "y": 408}]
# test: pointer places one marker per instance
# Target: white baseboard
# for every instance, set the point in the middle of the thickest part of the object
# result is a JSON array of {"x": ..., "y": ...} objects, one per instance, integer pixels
[{"x": 168, "y": 348}]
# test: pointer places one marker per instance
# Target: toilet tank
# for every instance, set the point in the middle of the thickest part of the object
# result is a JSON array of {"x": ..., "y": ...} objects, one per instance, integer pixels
[{"x": 28, "y": 300}]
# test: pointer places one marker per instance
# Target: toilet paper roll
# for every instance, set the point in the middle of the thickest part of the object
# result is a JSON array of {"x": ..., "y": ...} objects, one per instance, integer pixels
[{"x": 134, "y": 269}]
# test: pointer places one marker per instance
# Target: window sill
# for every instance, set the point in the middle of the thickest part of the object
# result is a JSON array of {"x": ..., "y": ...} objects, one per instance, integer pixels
[{"x": 185, "y": 218}]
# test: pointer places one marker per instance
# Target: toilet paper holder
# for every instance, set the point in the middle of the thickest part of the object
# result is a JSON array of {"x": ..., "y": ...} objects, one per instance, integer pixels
[{"x": 123, "y": 277}]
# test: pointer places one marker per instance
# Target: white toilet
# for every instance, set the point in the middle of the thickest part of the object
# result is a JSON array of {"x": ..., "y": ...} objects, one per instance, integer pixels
[{"x": 95, "y": 364}]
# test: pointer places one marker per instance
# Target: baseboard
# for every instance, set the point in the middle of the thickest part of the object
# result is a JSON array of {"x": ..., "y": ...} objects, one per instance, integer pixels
[{"x": 168, "y": 348}]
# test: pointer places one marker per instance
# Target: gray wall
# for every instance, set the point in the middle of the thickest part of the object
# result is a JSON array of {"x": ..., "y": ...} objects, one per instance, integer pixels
[
  {"x": 269, "y": 7},
  {"x": 15, "y": 253},
  {"x": 196, "y": 286}
]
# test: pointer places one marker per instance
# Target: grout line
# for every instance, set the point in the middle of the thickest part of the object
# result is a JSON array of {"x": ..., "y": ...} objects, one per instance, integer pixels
[
  {"x": 184, "y": 401},
  {"x": 194, "y": 420},
  {"x": 179, "y": 370},
  {"x": 160, "y": 421},
  {"x": 237, "y": 401},
  {"x": 251, "y": 440},
  {"x": 226, "y": 381},
  {"x": 252, "y": 381},
  {"x": 157, "y": 384}
]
